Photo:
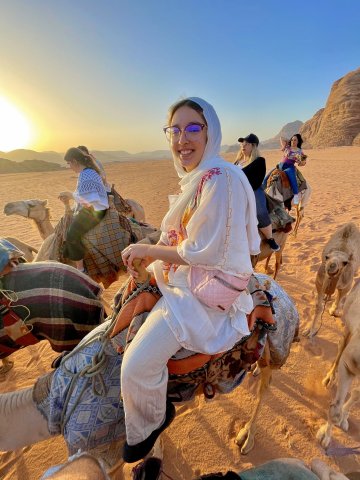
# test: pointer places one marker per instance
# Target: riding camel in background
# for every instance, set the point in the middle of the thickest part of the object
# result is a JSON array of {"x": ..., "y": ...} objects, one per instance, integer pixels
[
  {"x": 116, "y": 229},
  {"x": 340, "y": 260}
]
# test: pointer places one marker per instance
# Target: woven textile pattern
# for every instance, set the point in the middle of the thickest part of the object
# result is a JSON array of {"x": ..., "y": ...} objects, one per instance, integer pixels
[{"x": 93, "y": 420}]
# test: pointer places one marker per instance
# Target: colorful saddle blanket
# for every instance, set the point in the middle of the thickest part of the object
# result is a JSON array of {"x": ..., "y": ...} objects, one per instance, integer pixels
[
  {"x": 84, "y": 391},
  {"x": 47, "y": 300},
  {"x": 134, "y": 304}
]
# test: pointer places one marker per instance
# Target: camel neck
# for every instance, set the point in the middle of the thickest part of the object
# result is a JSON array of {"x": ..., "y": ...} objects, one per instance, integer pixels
[{"x": 44, "y": 226}]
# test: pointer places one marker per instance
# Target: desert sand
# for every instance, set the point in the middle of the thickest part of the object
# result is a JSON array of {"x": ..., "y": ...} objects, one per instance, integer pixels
[{"x": 201, "y": 439}]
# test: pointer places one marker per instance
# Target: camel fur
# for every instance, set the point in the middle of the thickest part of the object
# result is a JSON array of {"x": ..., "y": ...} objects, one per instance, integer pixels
[
  {"x": 347, "y": 368},
  {"x": 266, "y": 252},
  {"x": 340, "y": 262}
]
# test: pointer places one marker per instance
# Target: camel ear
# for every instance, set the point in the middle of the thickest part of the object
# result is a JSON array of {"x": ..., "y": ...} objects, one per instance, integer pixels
[{"x": 43, "y": 203}]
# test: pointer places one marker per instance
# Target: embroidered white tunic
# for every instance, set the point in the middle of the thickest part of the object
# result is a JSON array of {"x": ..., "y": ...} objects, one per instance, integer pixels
[{"x": 216, "y": 239}]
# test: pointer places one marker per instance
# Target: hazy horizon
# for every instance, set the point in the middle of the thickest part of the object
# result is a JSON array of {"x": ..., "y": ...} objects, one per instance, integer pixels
[{"x": 104, "y": 74}]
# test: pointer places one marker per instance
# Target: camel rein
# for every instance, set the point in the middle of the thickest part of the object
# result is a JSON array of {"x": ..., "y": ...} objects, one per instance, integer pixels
[{"x": 327, "y": 299}]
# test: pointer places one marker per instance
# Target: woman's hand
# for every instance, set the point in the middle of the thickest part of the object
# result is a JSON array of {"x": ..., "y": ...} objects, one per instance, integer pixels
[
  {"x": 136, "y": 250},
  {"x": 65, "y": 196}
]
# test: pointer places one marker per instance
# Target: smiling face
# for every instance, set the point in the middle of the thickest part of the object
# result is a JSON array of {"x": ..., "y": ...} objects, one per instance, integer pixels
[{"x": 188, "y": 152}]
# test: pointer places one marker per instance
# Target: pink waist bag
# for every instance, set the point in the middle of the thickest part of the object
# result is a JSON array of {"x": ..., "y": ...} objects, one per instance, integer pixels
[{"x": 216, "y": 289}]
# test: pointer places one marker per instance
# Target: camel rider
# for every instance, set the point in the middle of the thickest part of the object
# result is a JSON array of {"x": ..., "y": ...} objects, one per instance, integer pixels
[
  {"x": 92, "y": 203},
  {"x": 100, "y": 166},
  {"x": 254, "y": 167},
  {"x": 293, "y": 154}
]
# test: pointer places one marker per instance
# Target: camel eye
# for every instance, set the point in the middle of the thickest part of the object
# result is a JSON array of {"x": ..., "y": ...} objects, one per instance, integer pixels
[
  {"x": 345, "y": 263},
  {"x": 327, "y": 257}
]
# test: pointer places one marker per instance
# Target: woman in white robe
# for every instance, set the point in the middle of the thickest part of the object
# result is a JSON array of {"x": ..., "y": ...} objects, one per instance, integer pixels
[{"x": 211, "y": 224}]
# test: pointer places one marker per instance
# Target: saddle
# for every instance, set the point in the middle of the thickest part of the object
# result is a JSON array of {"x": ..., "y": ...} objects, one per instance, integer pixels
[
  {"x": 274, "y": 175},
  {"x": 132, "y": 306}
]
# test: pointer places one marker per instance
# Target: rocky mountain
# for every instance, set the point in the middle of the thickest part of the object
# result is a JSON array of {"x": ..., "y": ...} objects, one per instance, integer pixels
[
  {"x": 338, "y": 123},
  {"x": 9, "y": 166}
]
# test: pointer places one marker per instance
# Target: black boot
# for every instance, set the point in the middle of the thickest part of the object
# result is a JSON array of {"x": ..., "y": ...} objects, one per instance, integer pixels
[{"x": 133, "y": 453}]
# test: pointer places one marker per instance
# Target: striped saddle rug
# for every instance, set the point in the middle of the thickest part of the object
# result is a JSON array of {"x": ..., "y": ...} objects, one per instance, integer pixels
[{"x": 49, "y": 300}]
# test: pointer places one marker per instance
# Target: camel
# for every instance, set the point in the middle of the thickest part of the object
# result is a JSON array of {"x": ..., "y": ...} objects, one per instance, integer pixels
[
  {"x": 266, "y": 252},
  {"x": 25, "y": 248},
  {"x": 102, "y": 266},
  {"x": 85, "y": 466},
  {"x": 38, "y": 211},
  {"x": 278, "y": 188},
  {"x": 47, "y": 301},
  {"x": 21, "y": 409},
  {"x": 340, "y": 262},
  {"x": 347, "y": 368}
]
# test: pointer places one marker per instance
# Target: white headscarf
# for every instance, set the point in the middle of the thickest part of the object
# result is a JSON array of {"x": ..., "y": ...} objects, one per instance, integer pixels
[{"x": 211, "y": 159}]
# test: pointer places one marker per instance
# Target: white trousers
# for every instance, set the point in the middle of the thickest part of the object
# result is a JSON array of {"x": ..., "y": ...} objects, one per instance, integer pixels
[{"x": 144, "y": 376}]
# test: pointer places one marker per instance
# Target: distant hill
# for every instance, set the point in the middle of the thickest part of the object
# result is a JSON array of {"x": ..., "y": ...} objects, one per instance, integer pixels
[
  {"x": 22, "y": 154},
  {"x": 123, "y": 156},
  {"x": 9, "y": 166},
  {"x": 286, "y": 132},
  {"x": 105, "y": 156}
]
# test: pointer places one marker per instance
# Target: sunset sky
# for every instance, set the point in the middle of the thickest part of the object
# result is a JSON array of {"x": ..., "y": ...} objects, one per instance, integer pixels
[{"x": 103, "y": 73}]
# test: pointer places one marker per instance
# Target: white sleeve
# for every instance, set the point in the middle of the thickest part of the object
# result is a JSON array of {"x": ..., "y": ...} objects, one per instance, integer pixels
[{"x": 99, "y": 202}]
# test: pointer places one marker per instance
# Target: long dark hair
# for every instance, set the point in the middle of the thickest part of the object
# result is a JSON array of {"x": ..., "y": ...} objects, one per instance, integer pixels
[
  {"x": 81, "y": 157},
  {"x": 299, "y": 139}
]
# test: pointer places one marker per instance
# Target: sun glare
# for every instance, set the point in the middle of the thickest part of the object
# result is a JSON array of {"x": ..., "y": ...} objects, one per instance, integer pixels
[{"x": 15, "y": 131}]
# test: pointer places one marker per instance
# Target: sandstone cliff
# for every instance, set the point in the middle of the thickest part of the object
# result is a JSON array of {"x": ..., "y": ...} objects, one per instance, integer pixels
[{"x": 339, "y": 122}]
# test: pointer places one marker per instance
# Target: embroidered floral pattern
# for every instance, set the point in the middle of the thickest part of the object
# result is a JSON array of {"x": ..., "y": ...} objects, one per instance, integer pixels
[{"x": 176, "y": 238}]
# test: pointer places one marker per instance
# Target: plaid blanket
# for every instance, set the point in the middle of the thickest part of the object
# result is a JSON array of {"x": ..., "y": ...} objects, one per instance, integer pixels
[
  {"x": 104, "y": 243},
  {"x": 53, "y": 301}
]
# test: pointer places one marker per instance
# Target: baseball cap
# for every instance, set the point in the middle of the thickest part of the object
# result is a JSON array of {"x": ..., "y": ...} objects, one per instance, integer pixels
[{"x": 251, "y": 138}]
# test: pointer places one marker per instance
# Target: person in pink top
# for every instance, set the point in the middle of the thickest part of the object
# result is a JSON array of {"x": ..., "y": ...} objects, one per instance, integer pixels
[{"x": 293, "y": 155}]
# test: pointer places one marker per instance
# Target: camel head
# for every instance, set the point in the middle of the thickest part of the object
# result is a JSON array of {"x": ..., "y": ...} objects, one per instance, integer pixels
[
  {"x": 34, "y": 209},
  {"x": 335, "y": 262}
]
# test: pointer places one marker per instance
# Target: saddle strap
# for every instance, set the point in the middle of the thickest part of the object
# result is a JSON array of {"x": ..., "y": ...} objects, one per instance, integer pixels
[{"x": 14, "y": 334}]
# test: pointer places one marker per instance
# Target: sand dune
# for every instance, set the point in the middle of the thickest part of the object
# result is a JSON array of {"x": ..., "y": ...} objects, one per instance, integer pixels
[{"x": 202, "y": 437}]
